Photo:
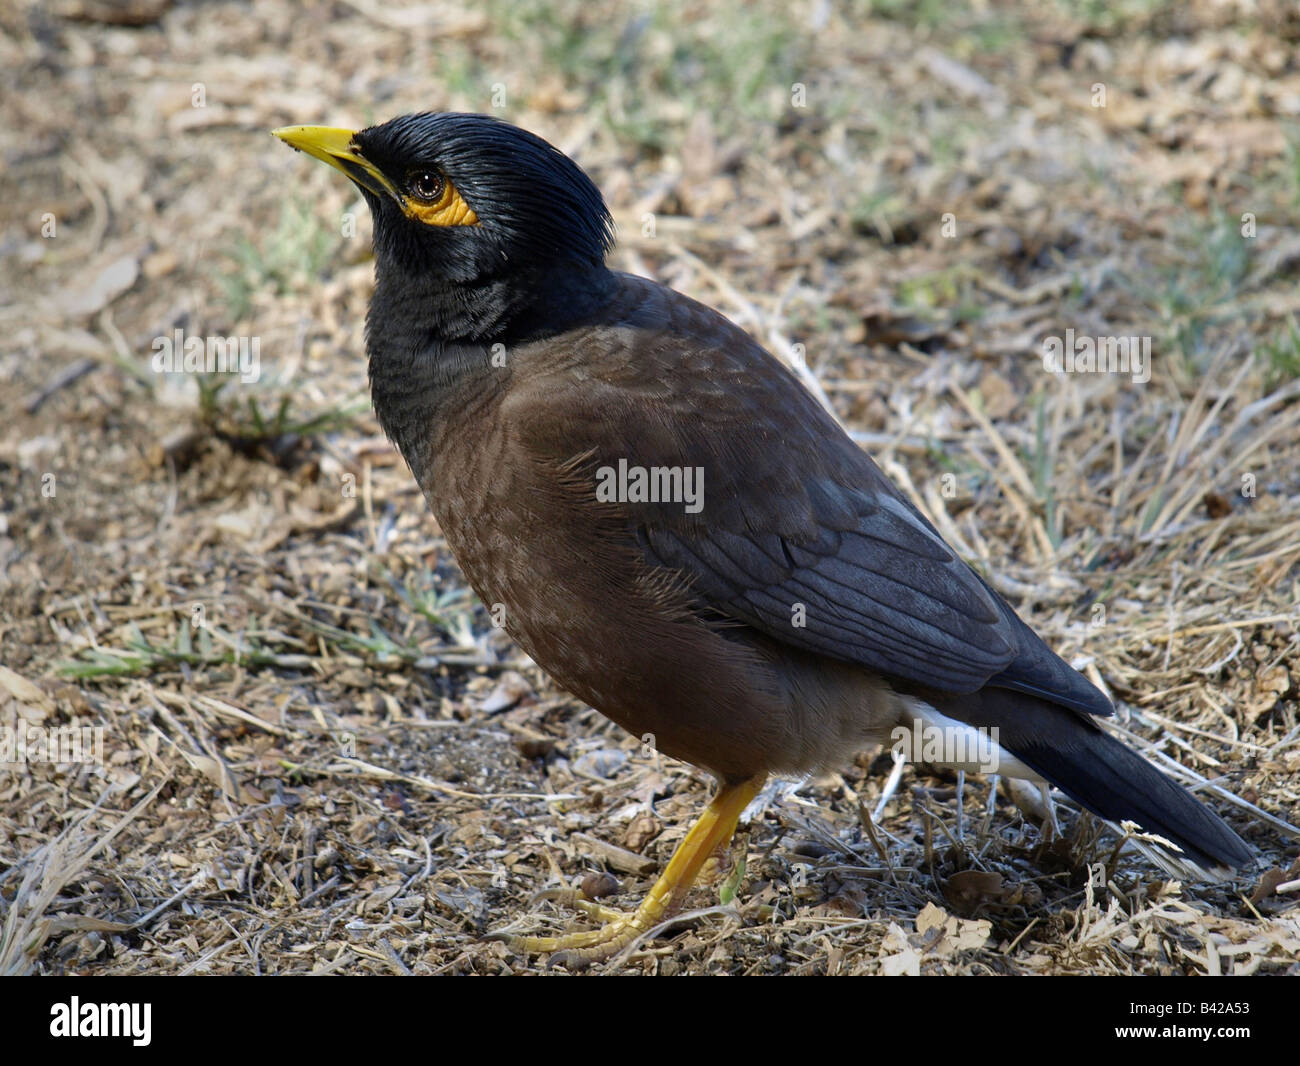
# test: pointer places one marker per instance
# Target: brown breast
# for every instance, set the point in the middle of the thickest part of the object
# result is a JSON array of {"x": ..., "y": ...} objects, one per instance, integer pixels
[
  {"x": 575, "y": 593},
  {"x": 577, "y": 590}
]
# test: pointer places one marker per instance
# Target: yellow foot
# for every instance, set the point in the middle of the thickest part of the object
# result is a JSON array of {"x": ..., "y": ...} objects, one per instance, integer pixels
[
  {"x": 707, "y": 836},
  {"x": 575, "y": 950}
]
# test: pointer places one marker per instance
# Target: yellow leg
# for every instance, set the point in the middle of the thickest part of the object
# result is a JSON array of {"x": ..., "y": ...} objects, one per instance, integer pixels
[{"x": 711, "y": 833}]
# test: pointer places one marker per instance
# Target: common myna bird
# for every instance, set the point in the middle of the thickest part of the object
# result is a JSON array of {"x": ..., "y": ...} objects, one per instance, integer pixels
[{"x": 679, "y": 533}]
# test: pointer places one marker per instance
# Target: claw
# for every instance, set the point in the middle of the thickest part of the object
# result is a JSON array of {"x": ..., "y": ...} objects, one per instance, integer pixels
[{"x": 619, "y": 929}]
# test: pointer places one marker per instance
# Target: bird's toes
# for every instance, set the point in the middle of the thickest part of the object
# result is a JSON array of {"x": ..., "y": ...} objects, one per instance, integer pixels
[{"x": 578, "y": 950}]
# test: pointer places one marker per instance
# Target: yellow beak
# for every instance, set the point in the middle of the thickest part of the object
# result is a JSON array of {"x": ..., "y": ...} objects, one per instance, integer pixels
[{"x": 337, "y": 148}]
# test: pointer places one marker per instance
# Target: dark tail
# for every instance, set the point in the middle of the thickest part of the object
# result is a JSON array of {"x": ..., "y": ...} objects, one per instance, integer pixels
[{"x": 1106, "y": 777}]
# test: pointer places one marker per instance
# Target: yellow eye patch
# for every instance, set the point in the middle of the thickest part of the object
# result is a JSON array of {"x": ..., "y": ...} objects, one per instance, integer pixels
[
  {"x": 337, "y": 147},
  {"x": 450, "y": 209}
]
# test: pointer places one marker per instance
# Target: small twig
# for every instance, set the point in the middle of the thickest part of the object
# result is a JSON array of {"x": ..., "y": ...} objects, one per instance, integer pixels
[{"x": 72, "y": 373}]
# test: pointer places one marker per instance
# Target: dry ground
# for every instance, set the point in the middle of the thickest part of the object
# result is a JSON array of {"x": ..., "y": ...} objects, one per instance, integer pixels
[{"x": 318, "y": 753}]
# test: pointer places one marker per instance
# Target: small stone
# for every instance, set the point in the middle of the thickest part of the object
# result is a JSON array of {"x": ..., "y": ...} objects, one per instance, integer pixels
[{"x": 598, "y": 884}]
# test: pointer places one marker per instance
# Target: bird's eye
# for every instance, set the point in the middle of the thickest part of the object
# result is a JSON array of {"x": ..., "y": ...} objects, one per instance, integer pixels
[{"x": 425, "y": 185}]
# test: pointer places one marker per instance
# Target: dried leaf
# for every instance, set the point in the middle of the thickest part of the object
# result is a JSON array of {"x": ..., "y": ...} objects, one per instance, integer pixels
[
  {"x": 81, "y": 300},
  {"x": 25, "y": 692}
]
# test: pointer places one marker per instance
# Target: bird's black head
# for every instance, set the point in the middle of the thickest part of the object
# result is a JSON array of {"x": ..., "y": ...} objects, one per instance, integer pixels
[
  {"x": 466, "y": 199},
  {"x": 484, "y": 236}
]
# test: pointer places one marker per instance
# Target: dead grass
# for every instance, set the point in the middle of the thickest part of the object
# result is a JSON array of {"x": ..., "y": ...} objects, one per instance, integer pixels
[{"x": 319, "y": 755}]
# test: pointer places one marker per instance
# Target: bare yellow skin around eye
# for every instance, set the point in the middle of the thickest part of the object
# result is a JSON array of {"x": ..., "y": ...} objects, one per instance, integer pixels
[{"x": 450, "y": 209}]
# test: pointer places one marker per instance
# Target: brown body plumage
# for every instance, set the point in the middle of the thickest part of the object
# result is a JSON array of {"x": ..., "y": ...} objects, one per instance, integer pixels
[{"x": 512, "y": 486}]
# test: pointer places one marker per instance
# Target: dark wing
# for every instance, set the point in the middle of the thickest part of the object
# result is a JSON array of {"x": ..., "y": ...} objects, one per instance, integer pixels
[{"x": 797, "y": 532}]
